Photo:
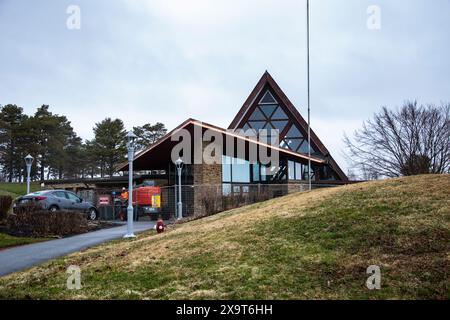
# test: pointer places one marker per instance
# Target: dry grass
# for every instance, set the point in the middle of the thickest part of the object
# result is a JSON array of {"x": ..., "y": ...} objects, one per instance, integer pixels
[{"x": 311, "y": 245}]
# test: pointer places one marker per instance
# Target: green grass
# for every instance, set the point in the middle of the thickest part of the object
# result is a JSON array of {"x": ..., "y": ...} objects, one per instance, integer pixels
[
  {"x": 314, "y": 245},
  {"x": 17, "y": 189},
  {"x": 7, "y": 241}
]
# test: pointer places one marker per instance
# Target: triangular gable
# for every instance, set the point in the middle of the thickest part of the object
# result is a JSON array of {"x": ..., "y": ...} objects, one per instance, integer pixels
[{"x": 267, "y": 93}]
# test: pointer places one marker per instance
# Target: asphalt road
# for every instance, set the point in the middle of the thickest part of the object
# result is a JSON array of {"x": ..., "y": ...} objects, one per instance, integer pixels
[{"x": 23, "y": 257}]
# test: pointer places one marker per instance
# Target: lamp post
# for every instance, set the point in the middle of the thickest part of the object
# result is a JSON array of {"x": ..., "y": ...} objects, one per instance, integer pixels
[
  {"x": 131, "y": 140},
  {"x": 28, "y": 161},
  {"x": 179, "y": 164}
]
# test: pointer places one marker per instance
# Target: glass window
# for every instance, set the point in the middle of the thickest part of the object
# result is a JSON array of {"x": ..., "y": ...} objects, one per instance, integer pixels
[
  {"x": 264, "y": 173},
  {"x": 257, "y": 125},
  {"x": 298, "y": 171},
  {"x": 283, "y": 144},
  {"x": 304, "y": 148},
  {"x": 236, "y": 189},
  {"x": 72, "y": 197},
  {"x": 268, "y": 109},
  {"x": 279, "y": 115},
  {"x": 226, "y": 189},
  {"x": 257, "y": 115},
  {"x": 245, "y": 189},
  {"x": 291, "y": 170},
  {"x": 226, "y": 169},
  {"x": 268, "y": 98},
  {"x": 60, "y": 194},
  {"x": 241, "y": 172},
  {"x": 280, "y": 125},
  {"x": 293, "y": 143},
  {"x": 294, "y": 133},
  {"x": 255, "y": 172}
]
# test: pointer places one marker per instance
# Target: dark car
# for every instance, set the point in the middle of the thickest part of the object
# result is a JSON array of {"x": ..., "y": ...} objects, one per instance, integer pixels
[{"x": 54, "y": 200}]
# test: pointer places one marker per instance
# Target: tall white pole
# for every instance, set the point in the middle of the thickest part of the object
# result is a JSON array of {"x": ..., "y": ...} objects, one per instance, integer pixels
[
  {"x": 180, "y": 204},
  {"x": 28, "y": 177},
  {"x": 130, "y": 233},
  {"x": 309, "y": 95}
]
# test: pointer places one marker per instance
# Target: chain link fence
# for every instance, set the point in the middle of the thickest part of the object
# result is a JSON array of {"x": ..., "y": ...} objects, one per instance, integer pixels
[{"x": 197, "y": 200}]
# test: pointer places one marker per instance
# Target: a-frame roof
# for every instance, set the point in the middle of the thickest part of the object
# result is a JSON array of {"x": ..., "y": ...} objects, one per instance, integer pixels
[
  {"x": 158, "y": 155},
  {"x": 266, "y": 82}
]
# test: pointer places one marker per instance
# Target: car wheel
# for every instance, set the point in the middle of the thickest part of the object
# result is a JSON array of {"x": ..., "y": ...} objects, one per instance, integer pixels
[
  {"x": 92, "y": 214},
  {"x": 53, "y": 208}
]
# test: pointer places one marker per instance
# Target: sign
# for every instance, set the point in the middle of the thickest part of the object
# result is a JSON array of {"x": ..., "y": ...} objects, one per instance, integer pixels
[
  {"x": 103, "y": 200},
  {"x": 156, "y": 201}
]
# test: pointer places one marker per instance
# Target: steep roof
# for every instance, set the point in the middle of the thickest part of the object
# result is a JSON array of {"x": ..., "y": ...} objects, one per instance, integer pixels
[
  {"x": 159, "y": 153},
  {"x": 265, "y": 83}
]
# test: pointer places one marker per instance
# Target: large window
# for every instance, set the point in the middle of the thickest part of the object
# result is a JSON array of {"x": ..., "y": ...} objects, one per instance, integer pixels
[
  {"x": 299, "y": 171},
  {"x": 268, "y": 115},
  {"x": 235, "y": 170}
]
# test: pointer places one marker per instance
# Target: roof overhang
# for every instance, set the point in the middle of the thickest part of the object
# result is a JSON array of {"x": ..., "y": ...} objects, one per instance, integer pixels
[{"x": 158, "y": 155}]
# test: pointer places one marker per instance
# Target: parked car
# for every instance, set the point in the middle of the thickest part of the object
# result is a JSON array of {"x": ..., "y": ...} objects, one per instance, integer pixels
[{"x": 54, "y": 200}]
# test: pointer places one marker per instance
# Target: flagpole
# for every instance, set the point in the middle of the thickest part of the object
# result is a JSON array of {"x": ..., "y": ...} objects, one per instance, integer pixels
[{"x": 309, "y": 96}]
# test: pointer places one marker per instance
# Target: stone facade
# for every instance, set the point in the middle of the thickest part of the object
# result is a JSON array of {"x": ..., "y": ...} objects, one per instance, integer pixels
[{"x": 207, "y": 182}]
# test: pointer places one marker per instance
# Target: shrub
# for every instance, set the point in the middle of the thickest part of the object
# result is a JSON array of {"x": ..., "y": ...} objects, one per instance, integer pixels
[
  {"x": 5, "y": 205},
  {"x": 43, "y": 223}
]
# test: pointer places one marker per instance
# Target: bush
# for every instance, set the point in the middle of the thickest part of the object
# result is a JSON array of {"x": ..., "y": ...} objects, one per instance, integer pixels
[
  {"x": 5, "y": 205},
  {"x": 43, "y": 223}
]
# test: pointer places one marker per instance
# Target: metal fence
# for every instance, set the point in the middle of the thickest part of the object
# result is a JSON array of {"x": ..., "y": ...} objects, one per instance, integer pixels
[{"x": 197, "y": 200}]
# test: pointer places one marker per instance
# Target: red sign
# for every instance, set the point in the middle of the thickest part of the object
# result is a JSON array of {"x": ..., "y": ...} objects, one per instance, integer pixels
[{"x": 103, "y": 200}]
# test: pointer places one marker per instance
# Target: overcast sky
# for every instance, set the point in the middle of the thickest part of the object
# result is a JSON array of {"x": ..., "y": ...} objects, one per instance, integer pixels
[{"x": 168, "y": 60}]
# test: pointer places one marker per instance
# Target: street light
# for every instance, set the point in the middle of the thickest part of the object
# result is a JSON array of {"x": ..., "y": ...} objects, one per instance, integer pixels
[
  {"x": 131, "y": 141},
  {"x": 179, "y": 164},
  {"x": 28, "y": 161}
]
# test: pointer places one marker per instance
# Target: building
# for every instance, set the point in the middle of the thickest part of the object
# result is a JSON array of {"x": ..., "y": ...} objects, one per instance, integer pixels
[{"x": 237, "y": 176}]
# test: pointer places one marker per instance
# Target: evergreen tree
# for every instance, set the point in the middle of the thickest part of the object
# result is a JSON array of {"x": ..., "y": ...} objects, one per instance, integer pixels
[{"x": 110, "y": 145}]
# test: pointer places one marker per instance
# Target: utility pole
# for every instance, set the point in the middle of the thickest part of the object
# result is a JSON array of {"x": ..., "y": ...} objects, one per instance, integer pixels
[{"x": 309, "y": 95}]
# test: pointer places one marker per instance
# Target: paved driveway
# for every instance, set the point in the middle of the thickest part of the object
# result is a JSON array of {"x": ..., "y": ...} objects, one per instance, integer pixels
[{"x": 18, "y": 258}]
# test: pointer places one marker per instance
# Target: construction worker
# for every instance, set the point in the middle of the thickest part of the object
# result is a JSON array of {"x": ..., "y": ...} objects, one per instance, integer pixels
[{"x": 124, "y": 194}]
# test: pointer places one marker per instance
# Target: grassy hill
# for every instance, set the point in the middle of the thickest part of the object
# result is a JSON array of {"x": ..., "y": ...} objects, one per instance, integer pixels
[
  {"x": 17, "y": 189},
  {"x": 314, "y": 245}
]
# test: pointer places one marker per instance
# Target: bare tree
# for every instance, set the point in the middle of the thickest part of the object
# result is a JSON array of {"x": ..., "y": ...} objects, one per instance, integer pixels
[{"x": 411, "y": 140}]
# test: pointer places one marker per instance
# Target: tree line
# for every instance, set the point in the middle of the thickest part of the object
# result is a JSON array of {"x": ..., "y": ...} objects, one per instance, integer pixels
[{"x": 58, "y": 152}]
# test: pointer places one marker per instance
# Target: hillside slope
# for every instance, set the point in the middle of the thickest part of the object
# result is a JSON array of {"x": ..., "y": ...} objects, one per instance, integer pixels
[
  {"x": 17, "y": 189},
  {"x": 312, "y": 245}
]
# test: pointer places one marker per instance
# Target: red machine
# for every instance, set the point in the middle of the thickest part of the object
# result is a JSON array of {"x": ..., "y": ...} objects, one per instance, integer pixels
[{"x": 146, "y": 201}]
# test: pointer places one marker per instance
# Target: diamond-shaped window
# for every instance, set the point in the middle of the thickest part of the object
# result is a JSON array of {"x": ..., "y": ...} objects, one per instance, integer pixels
[
  {"x": 257, "y": 125},
  {"x": 279, "y": 115},
  {"x": 280, "y": 125},
  {"x": 257, "y": 115}
]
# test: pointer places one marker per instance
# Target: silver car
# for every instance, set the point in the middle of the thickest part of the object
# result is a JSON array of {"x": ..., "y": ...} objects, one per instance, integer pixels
[{"x": 54, "y": 200}]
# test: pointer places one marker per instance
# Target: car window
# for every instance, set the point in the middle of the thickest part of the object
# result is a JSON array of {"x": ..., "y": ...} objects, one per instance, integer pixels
[
  {"x": 60, "y": 194},
  {"x": 72, "y": 197}
]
